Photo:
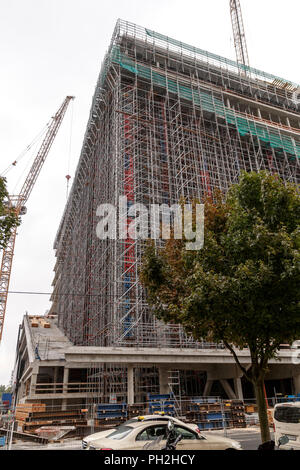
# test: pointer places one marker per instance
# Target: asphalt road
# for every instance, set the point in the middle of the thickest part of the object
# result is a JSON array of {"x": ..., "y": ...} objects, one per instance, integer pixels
[{"x": 249, "y": 438}]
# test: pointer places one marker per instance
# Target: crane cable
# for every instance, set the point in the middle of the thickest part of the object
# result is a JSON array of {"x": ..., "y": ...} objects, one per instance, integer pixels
[
  {"x": 26, "y": 150},
  {"x": 68, "y": 177}
]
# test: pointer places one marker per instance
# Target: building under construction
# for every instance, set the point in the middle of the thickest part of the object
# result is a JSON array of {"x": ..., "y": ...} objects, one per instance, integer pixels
[{"x": 168, "y": 120}]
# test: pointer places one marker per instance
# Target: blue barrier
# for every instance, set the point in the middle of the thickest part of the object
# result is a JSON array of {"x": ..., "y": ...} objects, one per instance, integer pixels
[
  {"x": 2, "y": 441},
  {"x": 111, "y": 410}
]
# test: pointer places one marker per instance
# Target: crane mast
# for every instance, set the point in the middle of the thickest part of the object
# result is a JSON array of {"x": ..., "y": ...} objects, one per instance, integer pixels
[
  {"x": 239, "y": 33},
  {"x": 18, "y": 202}
]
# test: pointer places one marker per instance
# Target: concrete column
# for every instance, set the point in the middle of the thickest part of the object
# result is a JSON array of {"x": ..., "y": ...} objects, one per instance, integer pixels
[
  {"x": 33, "y": 380},
  {"x": 288, "y": 122},
  {"x": 238, "y": 388},
  {"x": 65, "y": 388},
  {"x": 65, "y": 380},
  {"x": 207, "y": 387},
  {"x": 130, "y": 385},
  {"x": 296, "y": 379},
  {"x": 163, "y": 381},
  {"x": 230, "y": 393},
  {"x": 55, "y": 378},
  {"x": 21, "y": 391},
  {"x": 258, "y": 113}
]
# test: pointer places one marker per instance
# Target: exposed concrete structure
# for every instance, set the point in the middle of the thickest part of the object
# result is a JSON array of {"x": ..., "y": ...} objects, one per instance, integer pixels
[{"x": 49, "y": 368}]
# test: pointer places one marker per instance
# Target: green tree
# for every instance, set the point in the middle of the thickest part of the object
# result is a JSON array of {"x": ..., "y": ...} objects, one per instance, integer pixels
[
  {"x": 8, "y": 218},
  {"x": 242, "y": 287},
  {"x": 4, "y": 389}
]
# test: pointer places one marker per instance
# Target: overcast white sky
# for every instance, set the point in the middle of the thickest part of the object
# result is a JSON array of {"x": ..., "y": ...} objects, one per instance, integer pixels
[{"x": 52, "y": 48}]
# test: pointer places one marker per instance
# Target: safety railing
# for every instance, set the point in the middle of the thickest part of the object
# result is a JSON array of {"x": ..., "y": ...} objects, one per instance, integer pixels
[{"x": 70, "y": 387}]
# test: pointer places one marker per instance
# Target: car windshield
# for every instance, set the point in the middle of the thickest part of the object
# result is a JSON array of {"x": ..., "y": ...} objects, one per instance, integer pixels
[
  {"x": 287, "y": 414},
  {"x": 120, "y": 432}
]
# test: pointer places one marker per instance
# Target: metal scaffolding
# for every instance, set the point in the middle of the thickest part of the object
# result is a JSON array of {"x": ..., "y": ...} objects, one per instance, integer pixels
[{"x": 168, "y": 120}]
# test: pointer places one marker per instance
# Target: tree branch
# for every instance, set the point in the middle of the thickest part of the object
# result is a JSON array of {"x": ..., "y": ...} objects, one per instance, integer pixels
[{"x": 228, "y": 346}]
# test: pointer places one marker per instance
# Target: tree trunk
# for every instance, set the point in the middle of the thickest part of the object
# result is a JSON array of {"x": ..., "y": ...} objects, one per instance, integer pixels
[{"x": 262, "y": 410}]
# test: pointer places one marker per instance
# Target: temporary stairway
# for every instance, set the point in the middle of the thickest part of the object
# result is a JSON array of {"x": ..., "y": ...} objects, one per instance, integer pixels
[{"x": 175, "y": 389}]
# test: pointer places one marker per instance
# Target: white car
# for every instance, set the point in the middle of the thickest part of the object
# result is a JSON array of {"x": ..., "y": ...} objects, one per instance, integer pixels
[{"x": 137, "y": 432}]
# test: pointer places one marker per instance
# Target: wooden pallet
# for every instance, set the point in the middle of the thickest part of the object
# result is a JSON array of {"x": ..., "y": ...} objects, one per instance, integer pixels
[
  {"x": 45, "y": 324},
  {"x": 30, "y": 407},
  {"x": 53, "y": 414},
  {"x": 35, "y": 322}
]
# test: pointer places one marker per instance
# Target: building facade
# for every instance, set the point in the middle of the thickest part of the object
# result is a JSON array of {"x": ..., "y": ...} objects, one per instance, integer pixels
[{"x": 168, "y": 121}]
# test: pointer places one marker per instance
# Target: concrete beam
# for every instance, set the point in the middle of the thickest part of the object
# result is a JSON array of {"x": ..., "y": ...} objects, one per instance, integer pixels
[
  {"x": 279, "y": 371},
  {"x": 59, "y": 396},
  {"x": 143, "y": 356},
  {"x": 224, "y": 371},
  {"x": 29, "y": 344}
]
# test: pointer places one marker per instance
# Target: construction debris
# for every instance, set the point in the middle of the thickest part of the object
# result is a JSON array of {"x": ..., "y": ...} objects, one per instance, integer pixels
[
  {"x": 25, "y": 436},
  {"x": 55, "y": 433}
]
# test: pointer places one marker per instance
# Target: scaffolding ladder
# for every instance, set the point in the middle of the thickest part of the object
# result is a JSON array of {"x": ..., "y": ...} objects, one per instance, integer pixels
[{"x": 175, "y": 389}]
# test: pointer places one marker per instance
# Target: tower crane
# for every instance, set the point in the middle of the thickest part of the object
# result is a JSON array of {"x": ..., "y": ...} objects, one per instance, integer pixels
[
  {"x": 18, "y": 204},
  {"x": 239, "y": 33}
]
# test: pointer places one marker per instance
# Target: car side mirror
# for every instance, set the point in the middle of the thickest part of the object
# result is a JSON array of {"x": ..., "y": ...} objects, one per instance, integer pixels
[{"x": 283, "y": 440}]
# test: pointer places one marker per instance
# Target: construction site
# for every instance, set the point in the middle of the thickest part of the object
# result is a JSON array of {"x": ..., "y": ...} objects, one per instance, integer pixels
[{"x": 168, "y": 121}]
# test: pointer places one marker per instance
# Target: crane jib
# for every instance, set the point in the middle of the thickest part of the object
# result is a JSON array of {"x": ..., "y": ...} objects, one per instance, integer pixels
[{"x": 19, "y": 201}]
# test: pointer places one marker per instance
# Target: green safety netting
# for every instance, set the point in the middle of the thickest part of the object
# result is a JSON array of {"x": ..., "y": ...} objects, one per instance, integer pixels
[
  {"x": 209, "y": 103},
  {"x": 220, "y": 59}
]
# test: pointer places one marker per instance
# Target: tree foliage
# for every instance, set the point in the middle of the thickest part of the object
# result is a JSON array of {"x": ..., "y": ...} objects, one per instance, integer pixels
[
  {"x": 4, "y": 389},
  {"x": 242, "y": 288}
]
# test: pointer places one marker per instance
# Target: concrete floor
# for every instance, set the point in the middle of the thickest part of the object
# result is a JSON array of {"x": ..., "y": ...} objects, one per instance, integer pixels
[{"x": 67, "y": 445}]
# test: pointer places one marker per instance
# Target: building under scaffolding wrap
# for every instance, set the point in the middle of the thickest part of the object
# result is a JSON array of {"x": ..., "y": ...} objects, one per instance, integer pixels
[{"x": 167, "y": 120}]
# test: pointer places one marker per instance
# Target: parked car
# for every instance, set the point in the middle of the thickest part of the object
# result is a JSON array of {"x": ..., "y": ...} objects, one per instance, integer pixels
[{"x": 135, "y": 433}]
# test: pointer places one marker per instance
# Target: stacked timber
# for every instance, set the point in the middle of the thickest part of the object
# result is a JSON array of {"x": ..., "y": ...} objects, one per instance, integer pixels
[
  {"x": 44, "y": 323},
  {"x": 32, "y": 416},
  {"x": 216, "y": 415},
  {"x": 35, "y": 322},
  {"x": 251, "y": 408},
  {"x": 238, "y": 414},
  {"x": 138, "y": 409}
]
